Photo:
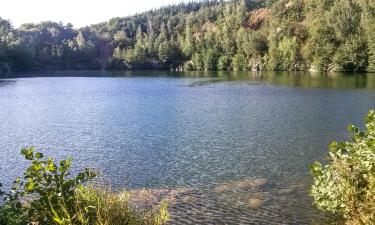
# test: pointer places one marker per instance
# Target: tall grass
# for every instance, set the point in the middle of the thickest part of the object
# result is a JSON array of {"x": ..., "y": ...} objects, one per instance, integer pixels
[{"x": 102, "y": 207}]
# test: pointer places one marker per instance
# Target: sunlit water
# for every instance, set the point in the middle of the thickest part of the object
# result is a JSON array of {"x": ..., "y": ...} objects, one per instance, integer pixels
[{"x": 238, "y": 145}]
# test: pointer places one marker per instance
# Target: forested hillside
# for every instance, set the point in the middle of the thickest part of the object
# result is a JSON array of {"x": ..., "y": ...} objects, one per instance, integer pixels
[{"x": 325, "y": 35}]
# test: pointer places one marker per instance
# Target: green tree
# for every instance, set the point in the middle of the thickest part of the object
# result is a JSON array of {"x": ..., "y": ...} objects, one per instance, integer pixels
[
  {"x": 258, "y": 44},
  {"x": 371, "y": 47},
  {"x": 169, "y": 53},
  {"x": 322, "y": 54},
  {"x": 210, "y": 60},
  {"x": 288, "y": 48},
  {"x": 240, "y": 62},
  {"x": 316, "y": 33},
  {"x": 137, "y": 56},
  {"x": 187, "y": 45},
  {"x": 197, "y": 61},
  {"x": 224, "y": 63},
  {"x": 345, "y": 18},
  {"x": 351, "y": 55},
  {"x": 368, "y": 17}
]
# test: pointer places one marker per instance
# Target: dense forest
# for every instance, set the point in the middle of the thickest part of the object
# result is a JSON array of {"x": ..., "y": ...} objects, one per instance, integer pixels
[{"x": 316, "y": 35}]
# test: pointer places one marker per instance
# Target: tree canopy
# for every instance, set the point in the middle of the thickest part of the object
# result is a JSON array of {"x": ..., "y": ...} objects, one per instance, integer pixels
[{"x": 323, "y": 35}]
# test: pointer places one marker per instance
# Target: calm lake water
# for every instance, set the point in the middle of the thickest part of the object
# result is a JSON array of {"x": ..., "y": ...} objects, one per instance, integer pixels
[{"x": 234, "y": 148}]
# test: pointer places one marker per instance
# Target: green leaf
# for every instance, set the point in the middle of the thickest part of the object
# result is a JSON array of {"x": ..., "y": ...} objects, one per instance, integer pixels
[
  {"x": 51, "y": 166},
  {"x": 38, "y": 155},
  {"x": 333, "y": 146},
  {"x": 351, "y": 127},
  {"x": 29, "y": 186},
  {"x": 58, "y": 220},
  {"x": 17, "y": 180},
  {"x": 37, "y": 166},
  {"x": 28, "y": 153}
]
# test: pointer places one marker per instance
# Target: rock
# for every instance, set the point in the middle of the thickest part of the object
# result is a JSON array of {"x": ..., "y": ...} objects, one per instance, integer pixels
[
  {"x": 313, "y": 69},
  {"x": 255, "y": 203},
  {"x": 285, "y": 191},
  {"x": 148, "y": 197},
  {"x": 241, "y": 185},
  {"x": 291, "y": 188}
]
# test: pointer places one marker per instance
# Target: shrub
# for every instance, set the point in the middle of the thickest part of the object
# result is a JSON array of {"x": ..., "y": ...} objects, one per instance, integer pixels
[
  {"x": 102, "y": 207},
  {"x": 346, "y": 186},
  {"x": 11, "y": 216},
  {"x": 48, "y": 194}
]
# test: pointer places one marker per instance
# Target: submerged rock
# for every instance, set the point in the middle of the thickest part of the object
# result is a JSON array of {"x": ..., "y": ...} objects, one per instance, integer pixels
[
  {"x": 249, "y": 193},
  {"x": 241, "y": 185},
  {"x": 149, "y": 197},
  {"x": 291, "y": 189},
  {"x": 255, "y": 203},
  {"x": 313, "y": 69}
]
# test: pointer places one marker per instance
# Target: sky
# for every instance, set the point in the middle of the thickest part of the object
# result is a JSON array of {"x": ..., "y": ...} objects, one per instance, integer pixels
[{"x": 78, "y": 12}]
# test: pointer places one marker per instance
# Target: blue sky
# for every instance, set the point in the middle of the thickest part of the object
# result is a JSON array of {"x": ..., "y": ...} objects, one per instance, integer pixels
[{"x": 78, "y": 12}]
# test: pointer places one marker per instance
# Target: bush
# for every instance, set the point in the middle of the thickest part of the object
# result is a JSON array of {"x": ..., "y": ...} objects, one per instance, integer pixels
[
  {"x": 48, "y": 194},
  {"x": 11, "y": 216},
  {"x": 102, "y": 207},
  {"x": 346, "y": 186}
]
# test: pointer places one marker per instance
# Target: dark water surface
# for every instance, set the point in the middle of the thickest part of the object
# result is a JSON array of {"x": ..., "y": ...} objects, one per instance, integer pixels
[{"x": 235, "y": 147}]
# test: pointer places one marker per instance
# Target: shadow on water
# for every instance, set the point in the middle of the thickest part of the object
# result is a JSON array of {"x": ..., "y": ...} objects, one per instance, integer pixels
[
  {"x": 4, "y": 83},
  {"x": 296, "y": 79}
]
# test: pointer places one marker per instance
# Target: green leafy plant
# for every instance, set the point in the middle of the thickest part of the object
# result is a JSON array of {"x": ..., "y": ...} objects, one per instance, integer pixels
[
  {"x": 346, "y": 186},
  {"x": 48, "y": 194},
  {"x": 48, "y": 188},
  {"x": 12, "y": 216}
]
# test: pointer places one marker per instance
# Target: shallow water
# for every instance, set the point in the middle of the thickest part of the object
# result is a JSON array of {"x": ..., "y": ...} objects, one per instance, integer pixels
[{"x": 215, "y": 136}]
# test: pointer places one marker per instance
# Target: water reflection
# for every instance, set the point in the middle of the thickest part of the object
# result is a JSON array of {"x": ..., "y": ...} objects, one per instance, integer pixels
[
  {"x": 4, "y": 83},
  {"x": 296, "y": 79}
]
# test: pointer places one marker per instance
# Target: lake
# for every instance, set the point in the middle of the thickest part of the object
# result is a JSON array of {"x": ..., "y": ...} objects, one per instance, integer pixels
[{"x": 229, "y": 148}]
